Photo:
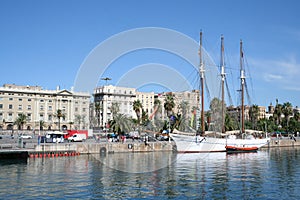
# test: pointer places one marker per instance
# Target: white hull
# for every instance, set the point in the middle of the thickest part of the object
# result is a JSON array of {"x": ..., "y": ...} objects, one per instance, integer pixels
[{"x": 193, "y": 144}]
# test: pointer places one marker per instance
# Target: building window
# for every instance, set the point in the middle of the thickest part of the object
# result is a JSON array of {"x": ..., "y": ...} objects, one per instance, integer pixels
[
  {"x": 1, "y": 116},
  {"x": 29, "y": 99},
  {"x": 83, "y": 109},
  {"x": 28, "y": 117},
  {"x": 20, "y": 107},
  {"x": 1, "y": 106},
  {"x": 76, "y": 109},
  {"x": 20, "y": 99},
  {"x": 10, "y": 116},
  {"x": 42, "y": 100},
  {"x": 41, "y": 107},
  {"x": 41, "y": 117},
  {"x": 10, "y": 106},
  {"x": 10, "y": 99},
  {"x": 49, "y": 117},
  {"x": 50, "y": 108},
  {"x": 29, "y": 107}
]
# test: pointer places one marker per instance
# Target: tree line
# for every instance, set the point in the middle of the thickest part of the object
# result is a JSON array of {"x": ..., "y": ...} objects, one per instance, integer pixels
[{"x": 284, "y": 118}]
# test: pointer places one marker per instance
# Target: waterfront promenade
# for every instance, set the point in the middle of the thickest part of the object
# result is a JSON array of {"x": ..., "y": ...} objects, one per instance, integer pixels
[{"x": 25, "y": 147}]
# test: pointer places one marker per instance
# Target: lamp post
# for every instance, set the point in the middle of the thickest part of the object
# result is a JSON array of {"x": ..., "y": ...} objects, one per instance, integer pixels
[{"x": 105, "y": 79}]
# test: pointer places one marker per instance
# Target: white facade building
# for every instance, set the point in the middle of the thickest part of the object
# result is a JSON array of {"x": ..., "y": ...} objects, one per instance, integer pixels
[{"x": 42, "y": 105}]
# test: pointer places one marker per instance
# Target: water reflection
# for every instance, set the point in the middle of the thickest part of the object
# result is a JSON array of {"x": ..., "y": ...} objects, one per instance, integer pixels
[{"x": 266, "y": 174}]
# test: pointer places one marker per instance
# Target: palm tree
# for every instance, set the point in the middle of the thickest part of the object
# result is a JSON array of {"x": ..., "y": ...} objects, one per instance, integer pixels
[
  {"x": 181, "y": 117},
  {"x": 115, "y": 108},
  {"x": 253, "y": 114},
  {"x": 278, "y": 113},
  {"x": 145, "y": 118},
  {"x": 42, "y": 124},
  {"x": 169, "y": 104},
  {"x": 59, "y": 114},
  {"x": 229, "y": 123},
  {"x": 208, "y": 119},
  {"x": 216, "y": 113},
  {"x": 297, "y": 116},
  {"x": 98, "y": 108},
  {"x": 121, "y": 123},
  {"x": 71, "y": 124},
  {"x": 20, "y": 121},
  {"x": 287, "y": 110},
  {"x": 157, "y": 107},
  {"x": 137, "y": 106}
]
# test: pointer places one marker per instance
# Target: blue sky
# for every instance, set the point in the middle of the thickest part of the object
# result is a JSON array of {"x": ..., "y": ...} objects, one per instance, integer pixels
[{"x": 45, "y": 42}]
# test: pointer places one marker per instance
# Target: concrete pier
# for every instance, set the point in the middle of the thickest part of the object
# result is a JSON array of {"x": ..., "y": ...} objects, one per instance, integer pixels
[
  {"x": 283, "y": 142},
  {"x": 62, "y": 149},
  {"x": 107, "y": 147}
]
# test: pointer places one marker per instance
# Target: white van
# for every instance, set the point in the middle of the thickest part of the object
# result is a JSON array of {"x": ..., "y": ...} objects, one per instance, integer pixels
[
  {"x": 54, "y": 137},
  {"x": 77, "y": 137}
]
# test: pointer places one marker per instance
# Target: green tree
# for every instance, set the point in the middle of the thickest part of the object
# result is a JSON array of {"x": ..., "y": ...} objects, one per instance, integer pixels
[
  {"x": 145, "y": 117},
  {"x": 42, "y": 124},
  {"x": 98, "y": 109},
  {"x": 78, "y": 120},
  {"x": 296, "y": 115},
  {"x": 230, "y": 124},
  {"x": 115, "y": 108},
  {"x": 121, "y": 124},
  {"x": 137, "y": 106},
  {"x": 208, "y": 120},
  {"x": 287, "y": 110},
  {"x": 157, "y": 108},
  {"x": 181, "y": 117},
  {"x": 277, "y": 113},
  {"x": 20, "y": 121},
  {"x": 216, "y": 113},
  {"x": 254, "y": 114},
  {"x": 169, "y": 103},
  {"x": 71, "y": 124},
  {"x": 59, "y": 114}
]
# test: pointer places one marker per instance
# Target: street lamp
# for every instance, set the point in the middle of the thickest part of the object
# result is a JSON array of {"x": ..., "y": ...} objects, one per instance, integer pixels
[{"x": 105, "y": 79}]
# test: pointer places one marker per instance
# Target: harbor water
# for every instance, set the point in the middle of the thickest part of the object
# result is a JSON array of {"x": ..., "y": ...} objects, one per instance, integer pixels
[{"x": 268, "y": 174}]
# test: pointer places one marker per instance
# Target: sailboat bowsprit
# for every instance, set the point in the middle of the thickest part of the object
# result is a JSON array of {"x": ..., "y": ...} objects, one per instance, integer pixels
[{"x": 208, "y": 141}]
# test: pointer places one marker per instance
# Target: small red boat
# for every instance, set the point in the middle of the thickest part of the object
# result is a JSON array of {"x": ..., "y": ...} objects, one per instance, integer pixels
[{"x": 234, "y": 149}]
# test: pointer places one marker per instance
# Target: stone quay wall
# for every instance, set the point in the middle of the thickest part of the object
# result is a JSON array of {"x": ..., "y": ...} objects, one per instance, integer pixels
[
  {"x": 109, "y": 147},
  {"x": 285, "y": 142}
]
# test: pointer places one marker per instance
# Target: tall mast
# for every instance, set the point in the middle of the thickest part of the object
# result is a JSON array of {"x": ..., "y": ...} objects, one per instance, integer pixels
[
  {"x": 223, "y": 81},
  {"x": 202, "y": 85},
  {"x": 242, "y": 74}
]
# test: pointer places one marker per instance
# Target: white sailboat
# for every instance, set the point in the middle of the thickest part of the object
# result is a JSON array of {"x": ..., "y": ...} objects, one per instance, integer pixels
[{"x": 216, "y": 142}]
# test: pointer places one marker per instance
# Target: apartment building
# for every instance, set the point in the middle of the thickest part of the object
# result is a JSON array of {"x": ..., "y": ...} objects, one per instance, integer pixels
[
  {"x": 236, "y": 112},
  {"x": 106, "y": 95},
  {"x": 147, "y": 100},
  {"x": 41, "y": 105},
  {"x": 187, "y": 99}
]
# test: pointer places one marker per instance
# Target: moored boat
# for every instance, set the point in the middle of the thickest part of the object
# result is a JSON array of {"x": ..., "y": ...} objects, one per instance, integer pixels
[
  {"x": 236, "y": 149},
  {"x": 217, "y": 141}
]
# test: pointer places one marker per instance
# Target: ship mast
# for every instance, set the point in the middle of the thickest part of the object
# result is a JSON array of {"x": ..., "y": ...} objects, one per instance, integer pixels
[
  {"x": 242, "y": 77},
  {"x": 223, "y": 81},
  {"x": 202, "y": 85}
]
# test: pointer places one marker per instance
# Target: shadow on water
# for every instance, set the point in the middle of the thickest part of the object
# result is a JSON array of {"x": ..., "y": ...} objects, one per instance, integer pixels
[{"x": 13, "y": 161}]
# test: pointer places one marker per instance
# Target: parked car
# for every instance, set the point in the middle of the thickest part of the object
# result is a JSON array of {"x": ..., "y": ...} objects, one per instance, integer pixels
[
  {"x": 77, "y": 137},
  {"x": 25, "y": 136}
]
